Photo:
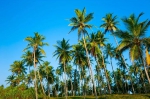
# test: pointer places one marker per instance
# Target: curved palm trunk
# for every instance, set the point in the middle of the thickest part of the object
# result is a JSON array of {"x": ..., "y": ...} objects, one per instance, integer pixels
[
  {"x": 124, "y": 63},
  {"x": 88, "y": 59},
  {"x": 36, "y": 94},
  {"x": 145, "y": 68},
  {"x": 65, "y": 81},
  {"x": 114, "y": 74}
]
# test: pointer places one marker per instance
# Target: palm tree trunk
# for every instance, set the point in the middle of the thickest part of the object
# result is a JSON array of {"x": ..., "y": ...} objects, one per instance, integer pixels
[
  {"x": 145, "y": 68},
  {"x": 36, "y": 94},
  {"x": 88, "y": 59},
  {"x": 48, "y": 86},
  {"x": 114, "y": 74},
  {"x": 99, "y": 70},
  {"x": 106, "y": 74},
  {"x": 65, "y": 80},
  {"x": 41, "y": 83},
  {"x": 124, "y": 62},
  {"x": 71, "y": 86},
  {"x": 143, "y": 82}
]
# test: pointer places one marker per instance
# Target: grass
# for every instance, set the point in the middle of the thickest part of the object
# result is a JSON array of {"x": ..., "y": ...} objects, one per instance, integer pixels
[{"x": 114, "y": 96}]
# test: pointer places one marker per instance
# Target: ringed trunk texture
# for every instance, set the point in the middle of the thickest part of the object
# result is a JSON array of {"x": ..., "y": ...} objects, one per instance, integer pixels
[{"x": 88, "y": 59}]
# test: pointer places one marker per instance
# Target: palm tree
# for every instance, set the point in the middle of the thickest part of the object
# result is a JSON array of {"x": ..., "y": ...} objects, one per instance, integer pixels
[
  {"x": 100, "y": 40},
  {"x": 63, "y": 53},
  {"x": 28, "y": 59},
  {"x": 11, "y": 79},
  {"x": 133, "y": 38},
  {"x": 109, "y": 51},
  {"x": 18, "y": 68},
  {"x": 69, "y": 73},
  {"x": 48, "y": 72},
  {"x": 110, "y": 25},
  {"x": 36, "y": 43},
  {"x": 80, "y": 22}
]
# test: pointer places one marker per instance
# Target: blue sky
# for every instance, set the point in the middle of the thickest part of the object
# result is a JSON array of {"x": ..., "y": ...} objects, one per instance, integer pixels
[{"x": 21, "y": 18}]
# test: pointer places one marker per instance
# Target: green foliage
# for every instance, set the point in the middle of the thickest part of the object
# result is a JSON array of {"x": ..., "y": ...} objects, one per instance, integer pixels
[{"x": 19, "y": 92}]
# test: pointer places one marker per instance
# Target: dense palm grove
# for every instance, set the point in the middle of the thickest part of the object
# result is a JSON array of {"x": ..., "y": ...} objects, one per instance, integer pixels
[{"x": 83, "y": 67}]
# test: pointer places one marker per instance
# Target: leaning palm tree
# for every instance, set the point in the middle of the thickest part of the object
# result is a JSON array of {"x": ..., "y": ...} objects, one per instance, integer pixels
[
  {"x": 95, "y": 42},
  {"x": 35, "y": 43},
  {"x": 63, "y": 53},
  {"x": 134, "y": 38},
  {"x": 109, "y": 51},
  {"x": 80, "y": 23},
  {"x": 110, "y": 25}
]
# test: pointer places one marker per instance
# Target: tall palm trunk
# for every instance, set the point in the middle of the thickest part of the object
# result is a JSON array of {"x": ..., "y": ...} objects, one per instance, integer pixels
[
  {"x": 106, "y": 74},
  {"x": 99, "y": 70},
  {"x": 71, "y": 86},
  {"x": 143, "y": 82},
  {"x": 124, "y": 63},
  {"x": 36, "y": 94},
  {"x": 145, "y": 68},
  {"x": 65, "y": 80},
  {"x": 41, "y": 83},
  {"x": 48, "y": 86},
  {"x": 88, "y": 59},
  {"x": 114, "y": 74}
]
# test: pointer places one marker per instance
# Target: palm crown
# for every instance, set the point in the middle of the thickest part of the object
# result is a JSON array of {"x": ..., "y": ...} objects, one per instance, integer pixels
[
  {"x": 133, "y": 38},
  {"x": 80, "y": 22}
]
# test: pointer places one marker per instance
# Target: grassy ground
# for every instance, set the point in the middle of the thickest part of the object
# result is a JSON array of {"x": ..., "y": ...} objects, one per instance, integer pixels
[{"x": 138, "y": 96}]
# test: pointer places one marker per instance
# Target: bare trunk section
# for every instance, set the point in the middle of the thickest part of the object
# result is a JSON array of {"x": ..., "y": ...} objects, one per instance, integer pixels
[
  {"x": 99, "y": 70},
  {"x": 114, "y": 74},
  {"x": 88, "y": 59},
  {"x": 109, "y": 87},
  {"x": 36, "y": 94},
  {"x": 65, "y": 81},
  {"x": 145, "y": 68},
  {"x": 41, "y": 83},
  {"x": 71, "y": 87},
  {"x": 124, "y": 62}
]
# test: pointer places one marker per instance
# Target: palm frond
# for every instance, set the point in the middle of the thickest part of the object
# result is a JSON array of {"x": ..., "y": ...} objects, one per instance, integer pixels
[
  {"x": 88, "y": 17},
  {"x": 123, "y": 34},
  {"x": 78, "y": 13}
]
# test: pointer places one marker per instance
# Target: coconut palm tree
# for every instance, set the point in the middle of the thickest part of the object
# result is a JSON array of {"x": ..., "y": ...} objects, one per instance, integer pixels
[
  {"x": 28, "y": 59},
  {"x": 110, "y": 25},
  {"x": 35, "y": 43},
  {"x": 11, "y": 79},
  {"x": 80, "y": 23},
  {"x": 48, "y": 72},
  {"x": 64, "y": 54},
  {"x": 109, "y": 51},
  {"x": 134, "y": 38},
  {"x": 18, "y": 68}
]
